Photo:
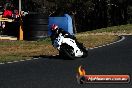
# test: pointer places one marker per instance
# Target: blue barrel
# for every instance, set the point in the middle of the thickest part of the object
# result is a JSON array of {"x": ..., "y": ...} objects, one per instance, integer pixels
[{"x": 64, "y": 22}]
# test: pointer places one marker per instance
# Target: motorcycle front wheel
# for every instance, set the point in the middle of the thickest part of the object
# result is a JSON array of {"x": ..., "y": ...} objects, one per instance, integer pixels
[{"x": 67, "y": 52}]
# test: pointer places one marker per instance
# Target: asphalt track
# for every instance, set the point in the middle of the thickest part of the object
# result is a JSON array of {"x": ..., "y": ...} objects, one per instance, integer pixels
[{"x": 54, "y": 72}]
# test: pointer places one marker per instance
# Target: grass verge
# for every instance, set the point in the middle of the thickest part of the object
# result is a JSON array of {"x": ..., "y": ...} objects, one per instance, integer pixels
[
  {"x": 117, "y": 30},
  {"x": 22, "y": 50}
]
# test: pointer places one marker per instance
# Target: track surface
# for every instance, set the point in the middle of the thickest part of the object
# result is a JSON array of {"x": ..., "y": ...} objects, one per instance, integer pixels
[{"x": 54, "y": 72}]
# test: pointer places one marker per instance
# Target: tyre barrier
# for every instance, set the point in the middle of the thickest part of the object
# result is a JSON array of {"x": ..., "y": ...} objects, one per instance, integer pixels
[{"x": 35, "y": 26}]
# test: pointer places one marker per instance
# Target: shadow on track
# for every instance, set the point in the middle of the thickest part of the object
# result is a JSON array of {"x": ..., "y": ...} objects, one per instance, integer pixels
[{"x": 52, "y": 57}]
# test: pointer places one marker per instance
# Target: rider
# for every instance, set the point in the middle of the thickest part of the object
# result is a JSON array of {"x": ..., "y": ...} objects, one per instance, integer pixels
[{"x": 55, "y": 31}]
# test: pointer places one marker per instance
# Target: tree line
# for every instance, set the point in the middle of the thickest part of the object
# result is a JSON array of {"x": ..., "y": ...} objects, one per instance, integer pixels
[{"x": 86, "y": 14}]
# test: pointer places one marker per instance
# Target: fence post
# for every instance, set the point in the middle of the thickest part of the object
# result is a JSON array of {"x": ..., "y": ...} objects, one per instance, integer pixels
[{"x": 21, "y": 29}]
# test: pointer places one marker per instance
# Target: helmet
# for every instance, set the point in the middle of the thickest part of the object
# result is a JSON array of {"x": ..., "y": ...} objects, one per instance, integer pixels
[{"x": 54, "y": 27}]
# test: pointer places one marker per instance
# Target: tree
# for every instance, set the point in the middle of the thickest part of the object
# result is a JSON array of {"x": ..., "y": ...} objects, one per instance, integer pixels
[{"x": 87, "y": 14}]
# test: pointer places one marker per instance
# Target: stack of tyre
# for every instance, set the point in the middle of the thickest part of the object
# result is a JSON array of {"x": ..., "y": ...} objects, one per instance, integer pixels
[{"x": 35, "y": 26}]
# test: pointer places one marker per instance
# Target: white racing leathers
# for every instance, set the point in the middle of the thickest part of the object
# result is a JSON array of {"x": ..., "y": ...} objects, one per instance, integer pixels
[{"x": 61, "y": 39}]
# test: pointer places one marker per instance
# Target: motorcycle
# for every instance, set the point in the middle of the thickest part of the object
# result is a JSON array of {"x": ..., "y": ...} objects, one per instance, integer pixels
[{"x": 69, "y": 47}]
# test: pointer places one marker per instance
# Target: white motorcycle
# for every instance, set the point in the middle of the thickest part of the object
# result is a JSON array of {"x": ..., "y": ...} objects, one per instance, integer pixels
[{"x": 69, "y": 47}]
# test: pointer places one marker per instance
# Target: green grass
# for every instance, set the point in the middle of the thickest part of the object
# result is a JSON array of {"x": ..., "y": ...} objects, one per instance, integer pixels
[
  {"x": 17, "y": 50},
  {"x": 22, "y": 50},
  {"x": 114, "y": 29},
  {"x": 91, "y": 41}
]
